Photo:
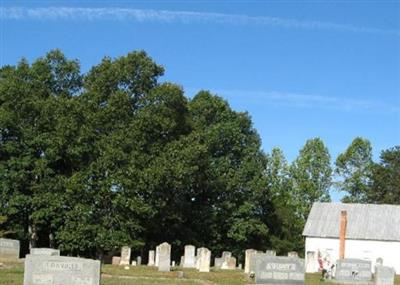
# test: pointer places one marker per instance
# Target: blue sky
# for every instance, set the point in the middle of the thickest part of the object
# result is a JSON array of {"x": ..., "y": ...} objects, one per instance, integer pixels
[{"x": 301, "y": 69}]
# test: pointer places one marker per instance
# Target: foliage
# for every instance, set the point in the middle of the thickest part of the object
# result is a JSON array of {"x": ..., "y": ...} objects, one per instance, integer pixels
[
  {"x": 354, "y": 166},
  {"x": 312, "y": 176},
  {"x": 91, "y": 162},
  {"x": 385, "y": 185}
]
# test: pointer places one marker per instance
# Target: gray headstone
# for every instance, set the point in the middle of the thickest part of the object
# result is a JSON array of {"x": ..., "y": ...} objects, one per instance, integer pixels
[
  {"x": 9, "y": 248},
  {"x": 151, "y": 258},
  {"x": 189, "y": 257},
  {"x": 45, "y": 251},
  {"x": 164, "y": 251},
  {"x": 384, "y": 275},
  {"x": 139, "y": 260},
  {"x": 248, "y": 254},
  {"x": 116, "y": 260},
  {"x": 125, "y": 255},
  {"x": 204, "y": 259},
  {"x": 293, "y": 254},
  {"x": 279, "y": 270},
  {"x": 218, "y": 262},
  {"x": 182, "y": 261},
  {"x": 353, "y": 270},
  {"x": 57, "y": 270},
  {"x": 270, "y": 252}
]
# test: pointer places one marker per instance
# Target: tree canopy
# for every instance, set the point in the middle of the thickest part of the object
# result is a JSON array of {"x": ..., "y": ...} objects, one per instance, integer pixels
[{"x": 91, "y": 162}]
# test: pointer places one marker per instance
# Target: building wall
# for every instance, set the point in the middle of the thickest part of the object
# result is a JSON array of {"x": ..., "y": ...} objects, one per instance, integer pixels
[{"x": 362, "y": 249}]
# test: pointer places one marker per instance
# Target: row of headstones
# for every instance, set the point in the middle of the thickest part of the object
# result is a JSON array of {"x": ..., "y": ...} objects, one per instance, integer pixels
[
  {"x": 267, "y": 268},
  {"x": 46, "y": 266},
  {"x": 161, "y": 258},
  {"x": 359, "y": 271}
]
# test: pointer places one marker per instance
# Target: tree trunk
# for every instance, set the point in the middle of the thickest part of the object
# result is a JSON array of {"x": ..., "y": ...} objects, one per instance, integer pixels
[
  {"x": 32, "y": 236},
  {"x": 51, "y": 240}
]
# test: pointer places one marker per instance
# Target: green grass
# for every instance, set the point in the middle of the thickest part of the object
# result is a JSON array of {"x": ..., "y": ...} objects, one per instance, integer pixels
[{"x": 13, "y": 274}]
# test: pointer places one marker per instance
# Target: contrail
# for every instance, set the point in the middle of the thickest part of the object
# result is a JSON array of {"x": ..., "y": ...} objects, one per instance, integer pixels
[{"x": 169, "y": 16}]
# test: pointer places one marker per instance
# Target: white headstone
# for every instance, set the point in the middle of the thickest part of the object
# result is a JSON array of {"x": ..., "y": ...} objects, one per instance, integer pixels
[
  {"x": 189, "y": 260},
  {"x": 164, "y": 251},
  {"x": 204, "y": 259},
  {"x": 248, "y": 254},
  {"x": 125, "y": 255},
  {"x": 151, "y": 258},
  {"x": 229, "y": 263},
  {"x": 157, "y": 255}
]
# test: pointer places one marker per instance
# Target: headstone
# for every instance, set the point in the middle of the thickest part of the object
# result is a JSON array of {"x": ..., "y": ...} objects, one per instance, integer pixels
[
  {"x": 232, "y": 263},
  {"x": 157, "y": 255},
  {"x": 151, "y": 258},
  {"x": 45, "y": 251},
  {"x": 240, "y": 266},
  {"x": 9, "y": 248},
  {"x": 278, "y": 270},
  {"x": 57, "y": 270},
  {"x": 312, "y": 265},
  {"x": 353, "y": 270},
  {"x": 204, "y": 258},
  {"x": 226, "y": 254},
  {"x": 125, "y": 255},
  {"x": 293, "y": 254},
  {"x": 218, "y": 262},
  {"x": 189, "y": 257},
  {"x": 173, "y": 264},
  {"x": 247, "y": 259},
  {"x": 134, "y": 263},
  {"x": 270, "y": 252},
  {"x": 139, "y": 260},
  {"x": 229, "y": 263},
  {"x": 116, "y": 260},
  {"x": 164, "y": 251},
  {"x": 182, "y": 261},
  {"x": 384, "y": 275}
]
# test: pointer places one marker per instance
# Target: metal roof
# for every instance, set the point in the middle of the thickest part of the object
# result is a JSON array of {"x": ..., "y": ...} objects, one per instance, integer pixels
[{"x": 364, "y": 221}]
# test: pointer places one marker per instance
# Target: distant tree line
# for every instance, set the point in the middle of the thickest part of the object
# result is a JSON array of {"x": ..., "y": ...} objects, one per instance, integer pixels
[{"x": 91, "y": 162}]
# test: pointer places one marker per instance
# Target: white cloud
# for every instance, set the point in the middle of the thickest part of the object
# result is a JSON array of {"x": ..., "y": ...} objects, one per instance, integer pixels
[
  {"x": 165, "y": 16},
  {"x": 306, "y": 101}
]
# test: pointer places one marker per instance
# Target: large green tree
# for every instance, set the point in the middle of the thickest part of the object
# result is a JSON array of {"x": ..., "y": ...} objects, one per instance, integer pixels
[
  {"x": 312, "y": 176},
  {"x": 354, "y": 169},
  {"x": 279, "y": 206},
  {"x": 385, "y": 178}
]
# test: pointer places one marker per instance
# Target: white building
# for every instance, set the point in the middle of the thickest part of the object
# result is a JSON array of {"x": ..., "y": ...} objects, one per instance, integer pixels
[{"x": 373, "y": 231}]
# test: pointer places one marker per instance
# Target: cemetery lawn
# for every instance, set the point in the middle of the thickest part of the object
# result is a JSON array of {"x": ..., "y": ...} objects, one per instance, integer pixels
[{"x": 13, "y": 274}]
